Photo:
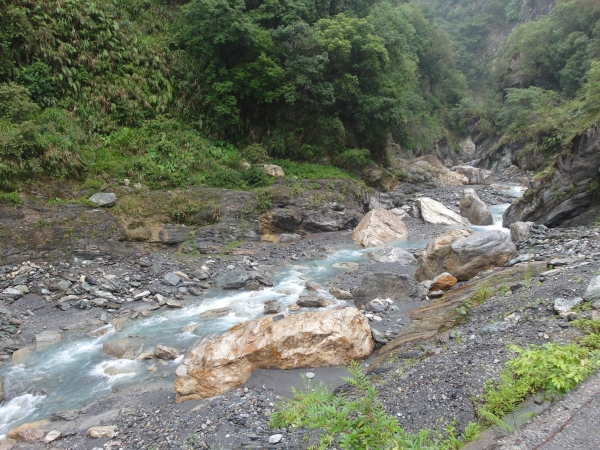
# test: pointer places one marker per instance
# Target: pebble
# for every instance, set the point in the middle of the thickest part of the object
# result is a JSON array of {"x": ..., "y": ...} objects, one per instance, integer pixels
[
  {"x": 310, "y": 375},
  {"x": 275, "y": 438}
]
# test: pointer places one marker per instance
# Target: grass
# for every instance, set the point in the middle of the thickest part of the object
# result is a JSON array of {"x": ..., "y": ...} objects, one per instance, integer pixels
[
  {"x": 308, "y": 171},
  {"x": 10, "y": 198},
  {"x": 359, "y": 423},
  {"x": 480, "y": 295}
]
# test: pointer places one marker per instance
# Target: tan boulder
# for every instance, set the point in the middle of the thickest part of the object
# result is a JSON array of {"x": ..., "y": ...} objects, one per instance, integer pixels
[
  {"x": 164, "y": 352},
  {"x": 29, "y": 432},
  {"x": 443, "y": 282},
  {"x": 377, "y": 227},
  {"x": 311, "y": 339},
  {"x": 436, "y": 213},
  {"x": 465, "y": 258}
]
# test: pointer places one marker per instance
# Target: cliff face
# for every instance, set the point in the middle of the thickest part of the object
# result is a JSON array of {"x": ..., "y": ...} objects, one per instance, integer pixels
[{"x": 568, "y": 193}]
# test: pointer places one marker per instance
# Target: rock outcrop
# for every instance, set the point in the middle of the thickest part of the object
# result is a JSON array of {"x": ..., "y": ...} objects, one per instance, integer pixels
[
  {"x": 435, "y": 213},
  {"x": 475, "y": 175},
  {"x": 567, "y": 193},
  {"x": 310, "y": 339},
  {"x": 474, "y": 209},
  {"x": 378, "y": 227},
  {"x": 465, "y": 258}
]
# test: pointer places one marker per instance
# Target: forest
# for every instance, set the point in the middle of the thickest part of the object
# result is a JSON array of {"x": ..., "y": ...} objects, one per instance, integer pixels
[{"x": 171, "y": 93}]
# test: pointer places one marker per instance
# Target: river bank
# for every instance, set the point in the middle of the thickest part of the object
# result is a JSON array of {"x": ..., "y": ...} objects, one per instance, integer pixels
[{"x": 448, "y": 370}]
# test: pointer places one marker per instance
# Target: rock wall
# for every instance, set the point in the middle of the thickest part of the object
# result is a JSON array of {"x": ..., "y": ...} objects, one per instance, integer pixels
[{"x": 568, "y": 194}]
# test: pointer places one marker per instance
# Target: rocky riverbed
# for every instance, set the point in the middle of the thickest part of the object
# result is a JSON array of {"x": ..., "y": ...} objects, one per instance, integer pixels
[{"x": 430, "y": 374}]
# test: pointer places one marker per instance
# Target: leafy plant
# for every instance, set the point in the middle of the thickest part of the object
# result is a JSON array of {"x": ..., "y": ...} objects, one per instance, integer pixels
[
  {"x": 356, "y": 423},
  {"x": 553, "y": 367}
]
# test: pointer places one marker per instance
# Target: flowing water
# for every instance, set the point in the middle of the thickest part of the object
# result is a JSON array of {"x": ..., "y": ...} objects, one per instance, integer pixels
[{"x": 74, "y": 372}]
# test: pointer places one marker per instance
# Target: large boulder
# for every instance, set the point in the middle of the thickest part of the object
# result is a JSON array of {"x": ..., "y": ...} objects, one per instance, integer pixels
[
  {"x": 465, "y": 258},
  {"x": 474, "y": 209},
  {"x": 387, "y": 285},
  {"x": 434, "y": 212},
  {"x": 234, "y": 279},
  {"x": 105, "y": 199},
  {"x": 475, "y": 175},
  {"x": 446, "y": 239},
  {"x": 311, "y": 339},
  {"x": 378, "y": 227}
]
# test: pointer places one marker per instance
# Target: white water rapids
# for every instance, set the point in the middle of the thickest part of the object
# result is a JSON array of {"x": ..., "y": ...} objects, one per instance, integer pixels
[{"x": 74, "y": 372}]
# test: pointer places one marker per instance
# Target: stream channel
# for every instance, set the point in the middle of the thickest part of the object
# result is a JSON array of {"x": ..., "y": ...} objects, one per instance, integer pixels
[{"x": 74, "y": 372}]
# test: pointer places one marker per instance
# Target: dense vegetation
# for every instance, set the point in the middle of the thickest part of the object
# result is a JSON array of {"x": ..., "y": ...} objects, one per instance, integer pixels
[
  {"x": 172, "y": 94},
  {"x": 537, "y": 87}
]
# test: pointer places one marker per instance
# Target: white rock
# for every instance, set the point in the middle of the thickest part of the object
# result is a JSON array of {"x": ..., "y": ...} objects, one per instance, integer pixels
[{"x": 434, "y": 212}]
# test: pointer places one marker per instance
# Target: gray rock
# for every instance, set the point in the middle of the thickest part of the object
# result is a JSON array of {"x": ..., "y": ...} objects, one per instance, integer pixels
[
  {"x": 217, "y": 312},
  {"x": 193, "y": 290},
  {"x": 2, "y": 392},
  {"x": 272, "y": 307},
  {"x": 275, "y": 438},
  {"x": 377, "y": 305},
  {"x": 556, "y": 262},
  {"x": 289, "y": 237},
  {"x": 46, "y": 338},
  {"x": 12, "y": 293},
  {"x": 104, "y": 199},
  {"x": 234, "y": 279},
  {"x": 306, "y": 301},
  {"x": 378, "y": 336},
  {"x": 65, "y": 414},
  {"x": 125, "y": 348},
  {"x": 311, "y": 286},
  {"x": 474, "y": 209},
  {"x": 563, "y": 305},
  {"x": 340, "y": 294},
  {"x": 173, "y": 235},
  {"x": 174, "y": 304},
  {"x": 466, "y": 257},
  {"x": 436, "y": 294},
  {"x": 387, "y": 285},
  {"x": 592, "y": 293},
  {"x": 476, "y": 175},
  {"x": 399, "y": 255},
  {"x": 141, "y": 295},
  {"x": 520, "y": 231},
  {"x": 172, "y": 279}
]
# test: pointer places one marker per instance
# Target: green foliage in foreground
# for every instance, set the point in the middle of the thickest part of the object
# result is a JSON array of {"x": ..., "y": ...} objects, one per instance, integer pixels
[
  {"x": 555, "y": 368},
  {"x": 358, "y": 424}
]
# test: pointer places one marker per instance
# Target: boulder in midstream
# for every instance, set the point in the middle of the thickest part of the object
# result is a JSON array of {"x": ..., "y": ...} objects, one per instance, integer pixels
[
  {"x": 310, "y": 339},
  {"x": 377, "y": 227},
  {"x": 474, "y": 209}
]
